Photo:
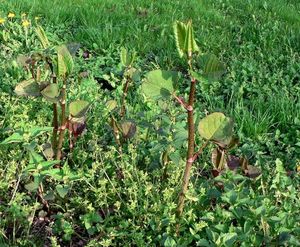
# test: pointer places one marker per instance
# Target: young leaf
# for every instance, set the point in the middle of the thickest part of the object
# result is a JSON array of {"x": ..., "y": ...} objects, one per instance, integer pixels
[
  {"x": 64, "y": 61},
  {"x": 127, "y": 58},
  {"x": 51, "y": 93},
  {"x": 159, "y": 83},
  {"x": 211, "y": 67},
  {"x": 184, "y": 38},
  {"x": 42, "y": 37},
  {"x": 190, "y": 43},
  {"x": 216, "y": 127},
  {"x": 111, "y": 105},
  {"x": 180, "y": 31},
  {"x": 78, "y": 108},
  {"x": 28, "y": 88}
]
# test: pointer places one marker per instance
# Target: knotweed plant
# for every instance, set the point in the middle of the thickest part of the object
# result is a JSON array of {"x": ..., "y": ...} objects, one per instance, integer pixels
[
  {"x": 161, "y": 84},
  {"x": 51, "y": 70}
]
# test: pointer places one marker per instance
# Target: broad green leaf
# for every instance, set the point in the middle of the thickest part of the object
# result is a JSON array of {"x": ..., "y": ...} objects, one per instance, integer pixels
[
  {"x": 28, "y": 88},
  {"x": 51, "y": 93},
  {"x": 16, "y": 137},
  {"x": 159, "y": 83},
  {"x": 184, "y": 37},
  {"x": 42, "y": 37},
  {"x": 211, "y": 67},
  {"x": 216, "y": 127},
  {"x": 64, "y": 61},
  {"x": 128, "y": 129},
  {"x": 55, "y": 173},
  {"x": 62, "y": 190},
  {"x": 78, "y": 108}
]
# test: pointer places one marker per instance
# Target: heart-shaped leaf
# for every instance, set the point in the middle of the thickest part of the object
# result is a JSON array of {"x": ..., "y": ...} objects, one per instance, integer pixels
[
  {"x": 212, "y": 68},
  {"x": 51, "y": 93},
  {"x": 159, "y": 83},
  {"x": 28, "y": 88},
  {"x": 62, "y": 190},
  {"x": 78, "y": 108},
  {"x": 128, "y": 129},
  {"x": 216, "y": 127}
]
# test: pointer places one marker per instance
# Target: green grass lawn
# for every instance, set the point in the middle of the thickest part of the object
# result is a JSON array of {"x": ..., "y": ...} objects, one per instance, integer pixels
[{"x": 258, "y": 41}]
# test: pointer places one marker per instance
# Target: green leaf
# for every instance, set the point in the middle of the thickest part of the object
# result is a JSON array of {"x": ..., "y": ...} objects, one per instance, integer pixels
[
  {"x": 127, "y": 58},
  {"x": 78, "y": 108},
  {"x": 73, "y": 48},
  {"x": 184, "y": 38},
  {"x": 31, "y": 186},
  {"x": 212, "y": 68},
  {"x": 229, "y": 238},
  {"x": 65, "y": 63},
  {"x": 42, "y": 37},
  {"x": 51, "y": 93},
  {"x": 62, "y": 190},
  {"x": 36, "y": 131},
  {"x": 16, "y": 137},
  {"x": 216, "y": 127},
  {"x": 28, "y": 88},
  {"x": 159, "y": 83},
  {"x": 111, "y": 105},
  {"x": 180, "y": 31},
  {"x": 128, "y": 129}
]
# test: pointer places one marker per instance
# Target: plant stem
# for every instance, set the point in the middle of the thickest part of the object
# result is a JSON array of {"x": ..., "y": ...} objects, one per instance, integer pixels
[
  {"x": 63, "y": 122},
  {"x": 191, "y": 146},
  {"x": 125, "y": 90},
  {"x": 55, "y": 128},
  {"x": 116, "y": 133}
]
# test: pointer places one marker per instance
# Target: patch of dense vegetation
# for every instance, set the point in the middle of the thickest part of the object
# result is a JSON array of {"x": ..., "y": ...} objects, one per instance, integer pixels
[{"x": 96, "y": 138}]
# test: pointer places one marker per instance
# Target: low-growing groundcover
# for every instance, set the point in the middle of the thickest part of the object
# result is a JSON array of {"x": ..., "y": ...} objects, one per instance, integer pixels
[{"x": 111, "y": 191}]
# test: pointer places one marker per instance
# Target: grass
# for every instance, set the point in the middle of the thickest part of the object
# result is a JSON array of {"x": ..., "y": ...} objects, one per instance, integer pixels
[{"x": 259, "y": 41}]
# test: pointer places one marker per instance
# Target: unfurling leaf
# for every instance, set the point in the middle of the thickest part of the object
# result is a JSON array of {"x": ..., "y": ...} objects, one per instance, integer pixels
[
  {"x": 78, "y": 108},
  {"x": 127, "y": 58},
  {"x": 128, "y": 129},
  {"x": 76, "y": 126},
  {"x": 111, "y": 105},
  {"x": 159, "y": 83},
  {"x": 184, "y": 38},
  {"x": 28, "y": 88},
  {"x": 51, "y": 93},
  {"x": 212, "y": 68},
  {"x": 42, "y": 37},
  {"x": 216, "y": 127},
  {"x": 64, "y": 61}
]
